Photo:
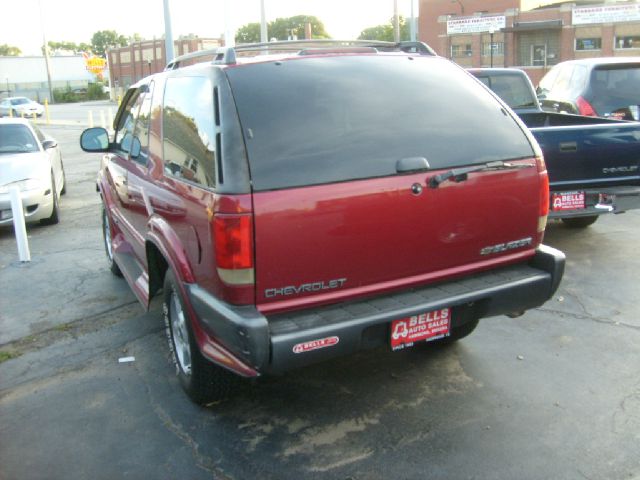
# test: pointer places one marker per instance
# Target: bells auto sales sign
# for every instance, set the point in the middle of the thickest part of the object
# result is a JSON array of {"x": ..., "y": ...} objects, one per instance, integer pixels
[{"x": 95, "y": 65}]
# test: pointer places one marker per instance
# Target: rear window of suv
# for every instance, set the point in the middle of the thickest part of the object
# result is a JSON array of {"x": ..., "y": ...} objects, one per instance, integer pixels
[
  {"x": 324, "y": 120},
  {"x": 614, "y": 87}
]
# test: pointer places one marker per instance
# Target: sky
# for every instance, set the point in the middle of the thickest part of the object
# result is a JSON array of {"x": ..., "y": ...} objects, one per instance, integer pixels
[{"x": 77, "y": 20}]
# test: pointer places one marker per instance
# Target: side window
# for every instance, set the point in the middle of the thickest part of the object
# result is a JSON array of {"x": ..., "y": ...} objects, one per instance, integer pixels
[
  {"x": 563, "y": 82},
  {"x": 578, "y": 79},
  {"x": 140, "y": 147},
  {"x": 546, "y": 84},
  {"x": 189, "y": 130},
  {"x": 124, "y": 130}
]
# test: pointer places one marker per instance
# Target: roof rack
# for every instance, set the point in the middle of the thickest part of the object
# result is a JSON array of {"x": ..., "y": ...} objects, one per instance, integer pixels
[{"x": 227, "y": 55}]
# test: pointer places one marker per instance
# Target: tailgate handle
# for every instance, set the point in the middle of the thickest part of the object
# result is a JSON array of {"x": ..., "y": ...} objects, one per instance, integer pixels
[
  {"x": 568, "y": 146},
  {"x": 412, "y": 164}
]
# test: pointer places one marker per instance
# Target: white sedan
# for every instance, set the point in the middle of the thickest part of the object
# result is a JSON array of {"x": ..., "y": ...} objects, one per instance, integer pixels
[
  {"x": 20, "y": 107},
  {"x": 31, "y": 161}
]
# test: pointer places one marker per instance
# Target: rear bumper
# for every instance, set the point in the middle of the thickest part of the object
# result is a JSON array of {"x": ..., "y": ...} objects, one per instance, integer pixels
[
  {"x": 601, "y": 200},
  {"x": 266, "y": 344}
]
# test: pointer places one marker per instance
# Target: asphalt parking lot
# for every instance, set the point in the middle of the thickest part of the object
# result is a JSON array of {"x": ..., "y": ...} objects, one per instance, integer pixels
[{"x": 554, "y": 394}]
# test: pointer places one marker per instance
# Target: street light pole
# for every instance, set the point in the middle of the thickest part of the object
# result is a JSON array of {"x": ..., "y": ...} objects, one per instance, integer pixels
[
  {"x": 168, "y": 34},
  {"x": 491, "y": 44},
  {"x": 396, "y": 22},
  {"x": 263, "y": 23},
  {"x": 46, "y": 54}
]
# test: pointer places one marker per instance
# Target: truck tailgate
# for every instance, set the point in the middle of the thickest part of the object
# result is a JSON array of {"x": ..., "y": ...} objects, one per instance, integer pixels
[
  {"x": 591, "y": 155},
  {"x": 319, "y": 244}
]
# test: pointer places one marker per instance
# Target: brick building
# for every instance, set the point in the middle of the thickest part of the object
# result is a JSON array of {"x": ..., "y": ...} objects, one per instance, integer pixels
[
  {"x": 129, "y": 64},
  {"x": 478, "y": 33}
]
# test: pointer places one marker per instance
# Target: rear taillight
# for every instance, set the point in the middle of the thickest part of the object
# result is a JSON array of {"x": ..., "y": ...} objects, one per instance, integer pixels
[
  {"x": 233, "y": 237},
  {"x": 544, "y": 195},
  {"x": 585, "y": 108}
]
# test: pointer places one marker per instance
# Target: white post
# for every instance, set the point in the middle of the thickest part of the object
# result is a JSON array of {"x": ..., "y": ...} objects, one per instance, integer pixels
[
  {"x": 18, "y": 224},
  {"x": 110, "y": 119},
  {"x": 103, "y": 121},
  {"x": 90, "y": 115}
]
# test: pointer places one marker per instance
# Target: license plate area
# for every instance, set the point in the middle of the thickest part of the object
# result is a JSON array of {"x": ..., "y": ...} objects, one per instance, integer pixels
[
  {"x": 568, "y": 201},
  {"x": 426, "y": 327}
]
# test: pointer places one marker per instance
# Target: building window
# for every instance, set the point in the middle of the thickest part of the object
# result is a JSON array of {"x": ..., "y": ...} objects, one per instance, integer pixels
[
  {"x": 147, "y": 54},
  {"x": 498, "y": 49},
  {"x": 461, "y": 50},
  {"x": 158, "y": 53},
  {"x": 588, "y": 44},
  {"x": 125, "y": 57},
  {"x": 628, "y": 42}
]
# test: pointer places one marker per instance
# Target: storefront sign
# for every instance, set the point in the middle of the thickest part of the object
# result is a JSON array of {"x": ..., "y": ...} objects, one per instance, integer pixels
[
  {"x": 456, "y": 26},
  {"x": 606, "y": 14},
  {"x": 95, "y": 65}
]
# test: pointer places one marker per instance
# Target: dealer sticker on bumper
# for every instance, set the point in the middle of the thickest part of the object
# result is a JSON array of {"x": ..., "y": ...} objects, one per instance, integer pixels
[
  {"x": 567, "y": 201},
  {"x": 425, "y": 327}
]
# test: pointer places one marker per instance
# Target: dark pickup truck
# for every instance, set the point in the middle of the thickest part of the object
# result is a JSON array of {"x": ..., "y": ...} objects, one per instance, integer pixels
[{"x": 593, "y": 163}]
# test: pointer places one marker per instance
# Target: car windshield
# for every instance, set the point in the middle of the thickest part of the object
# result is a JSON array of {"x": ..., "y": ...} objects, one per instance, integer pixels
[
  {"x": 16, "y": 139},
  {"x": 20, "y": 101},
  {"x": 615, "y": 88}
]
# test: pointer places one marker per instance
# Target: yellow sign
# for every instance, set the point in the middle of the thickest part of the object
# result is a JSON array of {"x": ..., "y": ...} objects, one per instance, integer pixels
[{"x": 95, "y": 65}]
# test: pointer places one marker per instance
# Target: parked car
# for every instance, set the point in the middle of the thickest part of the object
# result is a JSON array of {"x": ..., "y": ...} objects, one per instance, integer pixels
[
  {"x": 603, "y": 87},
  {"x": 593, "y": 163},
  {"x": 20, "y": 106},
  {"x": 297, "y": 207},
  {"x": 31, "y": 161}
]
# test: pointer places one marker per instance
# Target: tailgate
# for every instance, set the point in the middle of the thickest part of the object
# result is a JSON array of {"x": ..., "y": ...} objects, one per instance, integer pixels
[
  {"x": 591, "y": 155},
  {"x": 323, "y": 243}
]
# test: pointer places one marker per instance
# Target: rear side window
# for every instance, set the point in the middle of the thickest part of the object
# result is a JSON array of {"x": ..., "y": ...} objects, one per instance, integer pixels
[
  {"x": 189, "y": 130},
  {"x": 324, "y": 120}
]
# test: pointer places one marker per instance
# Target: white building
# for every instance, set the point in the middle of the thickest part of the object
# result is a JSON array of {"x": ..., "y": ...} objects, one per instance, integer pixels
[{"x": 27, "y": 76}]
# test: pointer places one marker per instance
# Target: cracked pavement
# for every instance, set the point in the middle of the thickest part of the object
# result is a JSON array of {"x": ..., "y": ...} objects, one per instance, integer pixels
[{"x": 552, "y": 394}]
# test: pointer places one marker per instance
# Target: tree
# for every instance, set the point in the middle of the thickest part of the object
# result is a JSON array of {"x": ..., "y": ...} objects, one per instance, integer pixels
[
  {"x": 385, "y": 32},
  {"x": 104, "y": 39},
  {"x": 9, "y": 51},
  {"x": 76, "y": 48},
  {"x": 282, "y": 28},
  {"x": 249, "y": 33}
]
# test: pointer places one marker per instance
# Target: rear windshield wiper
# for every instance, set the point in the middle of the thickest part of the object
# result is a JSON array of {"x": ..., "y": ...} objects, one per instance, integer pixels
[{"x": 461, "y": 174}]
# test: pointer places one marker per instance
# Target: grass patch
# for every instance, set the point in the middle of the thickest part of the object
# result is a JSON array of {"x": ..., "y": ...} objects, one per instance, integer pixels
[{"x": 5, "y": 355}]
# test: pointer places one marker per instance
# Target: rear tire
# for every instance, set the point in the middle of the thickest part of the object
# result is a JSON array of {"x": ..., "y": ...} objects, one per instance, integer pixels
[
  {"x": 55, "y": 213},
  {"x": 203, "y": 381},
  {"x": 580, "y": 222},
  {"x": 108, "y": 247}
]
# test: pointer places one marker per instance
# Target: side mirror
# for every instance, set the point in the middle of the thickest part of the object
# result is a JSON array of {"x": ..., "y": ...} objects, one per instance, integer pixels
[
  {"x": 47, "y": 144},
  {"x": 94, "y": 140}
]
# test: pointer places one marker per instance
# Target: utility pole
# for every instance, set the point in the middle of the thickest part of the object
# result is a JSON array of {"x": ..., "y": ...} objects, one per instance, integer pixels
[
  {"x": 229, "y": 37},
  {"x": 263, "y": 24},
  {"x": 45, "y": 48},
  {"x": 412, "y": 27},
  {"x": 396, "y": 22},
  {"x": 168, "y": 34}
]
